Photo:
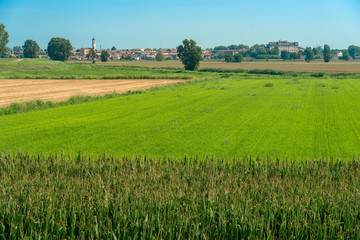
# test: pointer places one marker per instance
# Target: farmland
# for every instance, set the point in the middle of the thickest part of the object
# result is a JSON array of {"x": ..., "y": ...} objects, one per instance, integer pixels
[
  {"x": 22, "y": 90},
  {"x": 46, "y": 69},
  {"x": 107, "y": 198},
  {"x": 297, "y": 118},
  {"x": 221, "y": 154}
]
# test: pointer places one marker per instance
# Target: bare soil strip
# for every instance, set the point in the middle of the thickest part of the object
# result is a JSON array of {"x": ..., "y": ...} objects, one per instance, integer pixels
[{"x": 21, "y": 90}]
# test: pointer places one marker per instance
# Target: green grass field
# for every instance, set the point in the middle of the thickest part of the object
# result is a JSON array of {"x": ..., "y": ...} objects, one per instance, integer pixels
[
  {"x": 46, "y": 69},
  {"x": 232, "y": 154},
  {"x": 294, "y": 118}
]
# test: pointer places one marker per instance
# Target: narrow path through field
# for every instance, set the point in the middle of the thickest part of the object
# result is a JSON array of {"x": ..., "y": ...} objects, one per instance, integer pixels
[{"x": 20, "y": 90}]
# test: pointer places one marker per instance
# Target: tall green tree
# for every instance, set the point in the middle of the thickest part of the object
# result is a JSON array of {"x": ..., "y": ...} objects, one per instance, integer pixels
[
  {"x": 315, "y": 51},
  {"x": 17, "y": 48},
  {"x": 6, "y": 53},
  {"x": 354, "y": 51},
  {"x": 159, "y": 56},
  {"x": 4, "y": 38},
  {"x": 238, "y": 57},
  {"x": 218, "y": 48},
  {"x": 309, "y": 54},
  {"x": 93, "y": 55},
  {"x": 229, "y": 57},
  {"x": 285, "y": 55},
  {"x": 190, "y": 54},
  {"x": 327, "y": 53},
  {"x": 241, "y": 46},
  {"x": 104, "y": 56},
  {"x": 346, "y": 56},
  {"x": 59, "y": 49},
  {"x": 113, "y": 48},
  {"x": 31, "y": 49},
  {"x": 232, "y": 47},
  {"x": 294, "y": 56}
]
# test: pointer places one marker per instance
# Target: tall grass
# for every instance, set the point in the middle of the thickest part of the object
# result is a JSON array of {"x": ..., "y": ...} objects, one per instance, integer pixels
[{"x": 103, "y": 197}]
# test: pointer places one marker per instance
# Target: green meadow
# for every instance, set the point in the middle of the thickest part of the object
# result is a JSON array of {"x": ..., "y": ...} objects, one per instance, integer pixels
[
  {"x": 296, "y": 118},
  {"x": 46, "y": 69}
]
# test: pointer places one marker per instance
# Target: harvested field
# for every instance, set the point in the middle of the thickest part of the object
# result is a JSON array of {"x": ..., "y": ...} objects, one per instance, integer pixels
[
  {"x": 19, "y": 90},
  {"x": 301, "y": 66}
]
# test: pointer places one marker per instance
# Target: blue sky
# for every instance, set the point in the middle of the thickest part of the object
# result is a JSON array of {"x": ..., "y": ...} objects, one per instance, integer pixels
[{"x": 165, "y": 23}]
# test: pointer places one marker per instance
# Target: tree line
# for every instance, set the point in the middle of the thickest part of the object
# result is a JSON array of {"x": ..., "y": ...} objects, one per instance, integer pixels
[
  {"x": 190, "y": 54},
  {"x": 260, "y": 51}
]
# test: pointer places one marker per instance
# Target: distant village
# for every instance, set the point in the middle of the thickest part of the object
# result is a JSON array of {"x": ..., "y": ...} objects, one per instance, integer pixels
[{"x": 270, "y": 51}]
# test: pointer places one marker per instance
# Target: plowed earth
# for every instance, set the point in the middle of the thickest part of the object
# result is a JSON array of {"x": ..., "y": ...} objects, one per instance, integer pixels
[{"x": 20, "y": 90}]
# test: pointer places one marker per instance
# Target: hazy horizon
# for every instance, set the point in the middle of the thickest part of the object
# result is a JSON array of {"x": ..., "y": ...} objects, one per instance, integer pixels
[{"x": 164, "y": 24}]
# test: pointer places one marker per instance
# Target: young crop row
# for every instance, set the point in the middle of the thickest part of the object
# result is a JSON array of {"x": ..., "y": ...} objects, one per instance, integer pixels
[{"x": 104, "y": 197}]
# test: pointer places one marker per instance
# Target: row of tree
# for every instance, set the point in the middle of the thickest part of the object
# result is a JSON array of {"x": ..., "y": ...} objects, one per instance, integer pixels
[
  {"x": 237, "y": 57},
  {"x": 60, "y": 49},
  {"x": 188, "y": 52},
  {"x": 57, "y": 49}
]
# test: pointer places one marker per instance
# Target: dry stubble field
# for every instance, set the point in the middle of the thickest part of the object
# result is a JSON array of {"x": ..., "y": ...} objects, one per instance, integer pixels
[{"x": 20, "y": 90}]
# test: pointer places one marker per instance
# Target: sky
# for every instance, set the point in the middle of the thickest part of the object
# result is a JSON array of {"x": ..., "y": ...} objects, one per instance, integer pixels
[{"x": 128, "y": 24}]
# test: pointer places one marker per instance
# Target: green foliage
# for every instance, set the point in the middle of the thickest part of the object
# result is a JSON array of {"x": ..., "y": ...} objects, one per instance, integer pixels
[
  {"x": 198, "y": 116},
  {"x": 269, "y": 84},
  {"x": 309, "y": 54},
  {"x": 17, "y": 48},
  {"x": 21, "y": 107},
  {"x": 233, "y": 58},
  {"x": 266, "y": 56},
  {"x": 285, "y": 55},
  {"x": 294, "y": 56},
  {"x": 190, "y": 54},
  {"x": 104, "y": 56},
  {"x": 238, "y": 57},
  {"x": 4, "y": 38},
  {"x": 93, "y": 55},
  {"x": 159, "y": 56},
  {"x": 354, "y": 51},
  {"x": 232, "y": 47},
  {"x": 346, "y": 56},
  {"x": 327, "y": 53},
  {"x": 26, "y": 106},
  {"x": 220, "y": 55},
  {"x": 102, "y": 197},
  {"x": 229, "y": 57},
  {"x": 59, "y": 49},
  {"x": 113, "y": 48},
  {"x": 315, "y": 51},
  {"x": 217, "y": 48},
  {"x": 318, "y": 74},
  {"x": 31, "y": 49},
  {"x": 274, "y": 51},
  {"x": 257, "y": 46},
  {"x": 6, "y": 53},
  {"x": 243, "y": 46}
]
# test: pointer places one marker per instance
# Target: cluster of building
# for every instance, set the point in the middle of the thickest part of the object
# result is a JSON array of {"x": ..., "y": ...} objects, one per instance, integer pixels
[
  {"x": 171, "y": 54},
  {"x": 292, "y": 47},
  {"x": 136, "y": 53}
]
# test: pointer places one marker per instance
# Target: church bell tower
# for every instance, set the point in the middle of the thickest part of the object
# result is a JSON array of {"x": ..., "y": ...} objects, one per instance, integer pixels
[{"x": 94, "y": 43}]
